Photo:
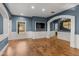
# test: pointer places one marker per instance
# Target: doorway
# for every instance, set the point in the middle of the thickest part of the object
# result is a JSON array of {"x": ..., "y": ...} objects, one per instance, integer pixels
[
  {"x": 56, "y": 29},
  {"x": 72, "y": 32}
]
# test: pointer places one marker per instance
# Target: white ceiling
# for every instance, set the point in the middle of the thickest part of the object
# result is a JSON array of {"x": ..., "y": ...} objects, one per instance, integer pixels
[{"x": 25, "y": 9}]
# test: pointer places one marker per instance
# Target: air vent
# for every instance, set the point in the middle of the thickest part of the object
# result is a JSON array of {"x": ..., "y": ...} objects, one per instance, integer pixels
[{"x": 52, "y": 12}]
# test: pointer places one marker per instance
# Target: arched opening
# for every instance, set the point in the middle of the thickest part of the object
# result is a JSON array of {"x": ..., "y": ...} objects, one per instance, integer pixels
[{"x": 72, "y": 31}]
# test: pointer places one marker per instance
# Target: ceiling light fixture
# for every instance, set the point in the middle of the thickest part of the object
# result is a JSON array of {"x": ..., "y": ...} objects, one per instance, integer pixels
[
  {"x": 43, "y": 9},
  {"x": 21, "y": 14},
  {"x": 33, "y": 7}
]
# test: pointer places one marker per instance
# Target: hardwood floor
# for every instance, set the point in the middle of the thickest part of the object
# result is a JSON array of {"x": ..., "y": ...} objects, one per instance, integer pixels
[{"x": 40, "y": 47}]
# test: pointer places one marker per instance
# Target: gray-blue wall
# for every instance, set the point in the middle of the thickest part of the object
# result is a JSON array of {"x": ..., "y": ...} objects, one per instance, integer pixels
[
  {"x": 75, "y": 12},
  {"x": 1, "y": 25},
  {"x": 31, "y": 21},
  {"x": 15, "y": 18},
  {"x": 38, "y": 19},
  {"x": 30, "y": 25}
]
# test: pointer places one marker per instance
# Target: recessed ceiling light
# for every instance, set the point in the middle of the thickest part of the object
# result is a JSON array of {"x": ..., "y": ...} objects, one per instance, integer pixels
[
  {"x": 33, "y": 7},
  {"x": 21, "y": 14},
  {"x": 43, "y": 9}
]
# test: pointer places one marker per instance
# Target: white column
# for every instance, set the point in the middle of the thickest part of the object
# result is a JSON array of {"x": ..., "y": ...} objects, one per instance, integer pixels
[
  {"x": 48, "y": 29},
  {"x": 73, "y": 39}
]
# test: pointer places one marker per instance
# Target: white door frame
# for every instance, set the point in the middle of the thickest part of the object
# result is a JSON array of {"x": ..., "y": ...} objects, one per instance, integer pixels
[{"x": 72, "y": 38}]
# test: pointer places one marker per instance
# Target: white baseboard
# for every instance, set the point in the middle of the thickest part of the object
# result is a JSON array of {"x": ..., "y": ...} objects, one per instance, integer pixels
[{"x": 1, "y": 52}]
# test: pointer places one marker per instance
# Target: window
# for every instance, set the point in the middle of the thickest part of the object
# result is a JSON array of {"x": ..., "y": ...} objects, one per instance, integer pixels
[
  {"x": 65, "y": 25},
  {"x": 21, "y": 27},
  {"x": 40, "y": 26}
]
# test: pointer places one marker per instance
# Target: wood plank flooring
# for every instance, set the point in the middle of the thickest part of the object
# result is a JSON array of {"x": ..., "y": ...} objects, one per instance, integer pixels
[{"x": 40, "y": 47}]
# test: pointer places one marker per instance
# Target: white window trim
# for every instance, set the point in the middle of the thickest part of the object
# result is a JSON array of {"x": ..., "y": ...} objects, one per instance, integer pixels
[
  {"x": 17, "y": 25},
  {"x": 39, "y": 22}
]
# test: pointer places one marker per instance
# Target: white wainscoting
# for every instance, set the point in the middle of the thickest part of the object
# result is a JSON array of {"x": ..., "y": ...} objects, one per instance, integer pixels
[
  {"x": 64, "y": 36},
  {"x": 41, "y": 34},
  {"x": 30, "y": 34},
  {"x": 15, "y": 35},
  {"x": 52, "y": 33},
  {"x": 77, "y": 41}
]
